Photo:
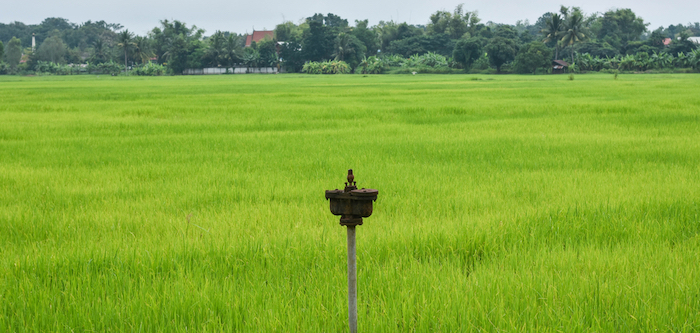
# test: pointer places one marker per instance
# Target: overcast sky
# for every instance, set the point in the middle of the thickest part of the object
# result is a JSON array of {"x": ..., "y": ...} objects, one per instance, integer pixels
[{"x": 140, "y": 16}]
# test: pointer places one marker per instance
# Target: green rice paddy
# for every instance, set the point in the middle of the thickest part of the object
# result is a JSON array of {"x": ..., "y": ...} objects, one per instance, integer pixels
[{"x": 506, "y": 203}]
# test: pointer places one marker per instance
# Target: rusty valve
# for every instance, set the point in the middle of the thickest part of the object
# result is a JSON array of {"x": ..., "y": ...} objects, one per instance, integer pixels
[{"x": 351, "y": 204}]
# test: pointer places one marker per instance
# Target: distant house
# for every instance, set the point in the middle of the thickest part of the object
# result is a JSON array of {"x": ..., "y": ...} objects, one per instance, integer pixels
[
  {"x": 695, "y": 40},
  {"x": 559, "y": 66},
  {"x": 667, "y": 41},
  {"x": 258, "y": 36}
]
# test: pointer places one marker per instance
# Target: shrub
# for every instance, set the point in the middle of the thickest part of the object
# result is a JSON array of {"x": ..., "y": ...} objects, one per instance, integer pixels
[
  {"x": 326, "y": 67},
  {"x": 371, "y": 65},
  {"x": 111, "y": 68},
  {"x": 150, "y": 69}
]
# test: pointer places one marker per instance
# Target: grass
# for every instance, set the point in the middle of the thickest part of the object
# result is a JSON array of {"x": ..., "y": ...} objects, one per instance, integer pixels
[{"x": 506, "y": 203}]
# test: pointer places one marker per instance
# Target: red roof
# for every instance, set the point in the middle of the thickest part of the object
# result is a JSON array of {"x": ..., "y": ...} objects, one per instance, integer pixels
[
  {"x": 258, "y": 36},
  {"x": 561, "y": 63},
  {"x": 667, "y": 41}
]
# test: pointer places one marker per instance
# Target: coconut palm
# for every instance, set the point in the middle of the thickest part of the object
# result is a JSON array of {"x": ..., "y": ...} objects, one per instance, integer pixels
[
  {"x": 573, "y": 31},
  {"x": 233, "y": 50},
  {"x": 553, "y": 31},
  {"x": 99, "y": 53},
  {"x": 142, "y": 49},
  {"x": 343, "y": 46},
  {"x": 126, "y": 42},
  {"x": 216, "y": 52}
]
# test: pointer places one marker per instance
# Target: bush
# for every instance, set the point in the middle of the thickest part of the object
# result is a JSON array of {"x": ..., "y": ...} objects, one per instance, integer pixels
[
  {"x": 327, "y": 67},
  {"x": 46, "y": 67},
  {"x": 110, "y": 68},
  {"x": 426, "y": 60},
  {"x": 149, "y": 69},
  {"x": 371, "y": 65}
]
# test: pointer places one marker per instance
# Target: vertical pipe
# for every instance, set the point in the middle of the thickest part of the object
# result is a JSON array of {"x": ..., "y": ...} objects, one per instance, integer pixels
[{"x": 352, "y": 281}]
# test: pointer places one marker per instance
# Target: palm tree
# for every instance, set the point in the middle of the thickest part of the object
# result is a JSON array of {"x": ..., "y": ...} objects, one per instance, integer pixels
[
  {"x": 552, "y": 32},
  {"x": 343, "y": 46},
  {"x": 99, "y": 51},
  {"x": 216, "y": 53},
  {"x": 233, "y": 50},
  {"x": 573, "y": 32},
  {"x": 126, "y": 41},
  {"x": 142, "y": 49}
]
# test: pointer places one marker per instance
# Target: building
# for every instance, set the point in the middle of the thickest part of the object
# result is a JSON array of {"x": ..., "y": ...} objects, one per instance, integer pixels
[
  {"x": 559, "y": 66},
  {"x": 258, "y": 36}
]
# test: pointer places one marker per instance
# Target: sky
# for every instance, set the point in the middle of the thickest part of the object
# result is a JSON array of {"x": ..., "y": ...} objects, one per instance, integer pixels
[{"x": 141, "y": 16}]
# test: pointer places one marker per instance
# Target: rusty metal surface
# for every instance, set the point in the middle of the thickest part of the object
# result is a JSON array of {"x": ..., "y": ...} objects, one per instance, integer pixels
[{"x": 351, "y": 204}]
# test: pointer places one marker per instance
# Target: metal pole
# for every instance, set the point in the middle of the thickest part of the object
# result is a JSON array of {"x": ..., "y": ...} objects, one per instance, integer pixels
[{"x": 352, "y": 281}]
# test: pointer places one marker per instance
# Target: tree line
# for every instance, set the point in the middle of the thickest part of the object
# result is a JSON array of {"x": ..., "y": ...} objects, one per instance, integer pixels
[{"x": 450, "y": 41}]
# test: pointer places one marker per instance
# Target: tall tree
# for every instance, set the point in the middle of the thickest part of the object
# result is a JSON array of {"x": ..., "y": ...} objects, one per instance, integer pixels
[
  {"x": 126, "y": 42},
  {"x": 553, "y": 31},
  {"x": 233, "y": 50},
  {"x": 52, "y": 49},
  {"x": 13, "y": 53},
  {"x": 2, "y": 50},
  {"x": 349, "y": 49},
  {"x": 216, "y": 51},
  {"x": 531, "y": 57},
  {"x": 620, "y": 27},
  {"x": 455, "y": 24},
  {"x": 366, "y": 36},
  {"x": 317, "y": 44},
  {"x": 99, "y": 51},
  {"x": 142, "y": 49},
  {"x": 501, "y": 50},
  {"x": 574, "y": 30},
  {"x": 468, "y": 50}
]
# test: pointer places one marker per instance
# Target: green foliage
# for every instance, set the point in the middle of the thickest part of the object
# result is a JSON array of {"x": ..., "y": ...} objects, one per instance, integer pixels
[
  {"x": 574, "y": 30},
  {"x": 392, "y": 59},
  {"x": 349, "y": 48},
  {"x": 318, "y": 42},
  {"x": 455, "y": 24},
  {"x": 2, "y": 52},
  {"x": 367, "y": 36},
  {"x": 500, "y": 51},
  {"x": 291, "y": 55},
  {"x": 110, "y": 68},
  {"x": 682, "y": 44},
  {"x": 177, "y": 54},
  {"x": 142, "y": 49},
  {"x": 620, "y": 27},
  {"x": 52, "y": 50},
  {"x": 125, "y": 41},
  {"x": 420, "y": 44},
  {"x": 426, "y": 60},
  {"x": 251, "y": 57},
  {"x": 150, "y": 69},
  {"x": 468, "y": 50},
  {"x": 287, "y": 31},
  {"x": 100, "y": 52},
  {"x": 532, "y": 57},
  {"x": 49, "y": 67},
  {"x": 327, "y": 67},
  {"x": 371, "y": 65},
  {"x": 267, "y": 48},
  {"x": 13, "y": 54},
  {"x": 178, "y": 46}
]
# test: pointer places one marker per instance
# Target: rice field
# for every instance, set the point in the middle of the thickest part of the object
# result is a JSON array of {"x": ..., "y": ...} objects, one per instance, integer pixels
[{"x": 196, "y": 203}]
